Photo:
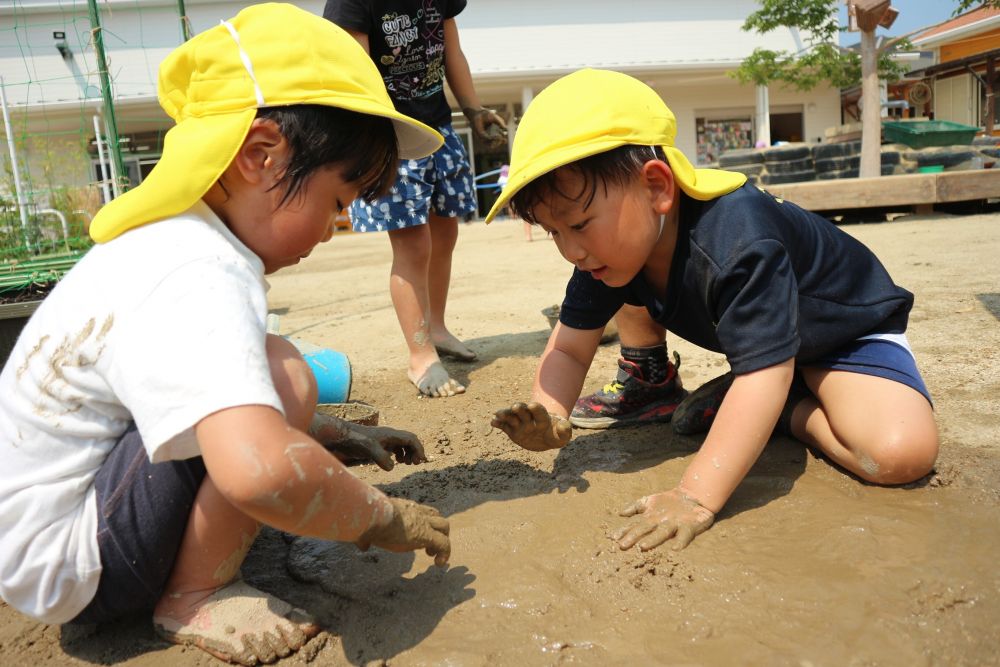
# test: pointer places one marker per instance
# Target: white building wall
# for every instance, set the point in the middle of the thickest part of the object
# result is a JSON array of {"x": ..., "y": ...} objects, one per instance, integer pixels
[{"x": 683, "y": 48}]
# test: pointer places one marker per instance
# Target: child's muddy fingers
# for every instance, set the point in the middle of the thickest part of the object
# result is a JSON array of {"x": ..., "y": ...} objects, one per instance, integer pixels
[
  {"x": 632, "y": 533},
  {"x": 684, "y": 537},
  {"x": 440, "y": 524},
  {"x": 636, "y": 507},
  {"x": 439, "y": 547},
  {"x": 658, "y": 536},
  {"x": 538, "y": 413},
  {"x": 382, "y": 458},
  {"x": 508, "y": 421}
]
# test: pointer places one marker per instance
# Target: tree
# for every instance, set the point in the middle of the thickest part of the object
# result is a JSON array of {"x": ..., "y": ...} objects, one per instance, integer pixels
[
  {"x": 964, "y": 5},
  {"x": 823, "y": 60}
]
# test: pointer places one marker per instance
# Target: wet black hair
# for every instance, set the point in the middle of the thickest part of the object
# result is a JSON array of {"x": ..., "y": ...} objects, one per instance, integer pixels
[
  {"x": 363, "y": 145},
  {"x": 614, "y": 168}
]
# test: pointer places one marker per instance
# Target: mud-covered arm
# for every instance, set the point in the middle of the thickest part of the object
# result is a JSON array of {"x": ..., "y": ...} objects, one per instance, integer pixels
[{"x": 282, "y": 477}]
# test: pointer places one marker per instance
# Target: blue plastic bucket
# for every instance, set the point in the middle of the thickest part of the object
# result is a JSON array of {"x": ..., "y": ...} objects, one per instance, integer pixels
[{"x": 332, "y": 370}]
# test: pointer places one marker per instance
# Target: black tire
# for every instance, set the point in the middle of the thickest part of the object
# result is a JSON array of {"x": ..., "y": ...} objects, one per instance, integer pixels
[
  {"x": 986, "y": 141},
  {"x": 793, "y": 177},
  {"x": 842, "y": 149},
  {"x": 945, "y": 157},
  {"x": 837, "y": 163},
  {"x": 742, "y": 156},
  {"x": 789, "y": 166},
  {"x": 747, "y": 169},
  {"x": 786, "y": 153},
  {"x": 890, "y": 157}
]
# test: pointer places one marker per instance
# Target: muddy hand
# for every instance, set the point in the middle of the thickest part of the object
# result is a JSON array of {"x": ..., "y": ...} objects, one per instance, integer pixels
[
  {"x": 660, "y": 517},
  {"x": 352, "y": 442},
  {"x": 379, "y": 444},
  {"x": 412, "y": 526},
  {"x": 531, "y": 426},
  {"x": 487, "y": 124}
]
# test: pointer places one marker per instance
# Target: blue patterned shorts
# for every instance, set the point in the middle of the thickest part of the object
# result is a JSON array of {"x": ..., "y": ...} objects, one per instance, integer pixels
[{"x": 441, "y": 183}]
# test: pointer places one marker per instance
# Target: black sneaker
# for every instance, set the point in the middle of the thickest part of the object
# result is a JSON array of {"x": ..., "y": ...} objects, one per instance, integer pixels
[
  {"x": 630, "y": 399},
  {"x": 696, "y": 413}
]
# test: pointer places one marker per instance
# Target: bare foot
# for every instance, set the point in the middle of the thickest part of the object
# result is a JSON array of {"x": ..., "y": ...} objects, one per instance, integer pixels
[
  {"x": 236, "y": 623},
  {"x": 435, "y": 382},
  {"x": 454, "y": 348}
]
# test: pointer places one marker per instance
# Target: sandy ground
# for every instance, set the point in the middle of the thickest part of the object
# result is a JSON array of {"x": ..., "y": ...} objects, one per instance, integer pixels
[{"x": 805, "y": 565}]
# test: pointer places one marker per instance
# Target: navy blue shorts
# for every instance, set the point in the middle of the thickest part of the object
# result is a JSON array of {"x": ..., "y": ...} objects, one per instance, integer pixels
[
  {"x": 143, "y": 510},
  {"x": 441, "y": 183},
  {"x": 886, "y": 356}
]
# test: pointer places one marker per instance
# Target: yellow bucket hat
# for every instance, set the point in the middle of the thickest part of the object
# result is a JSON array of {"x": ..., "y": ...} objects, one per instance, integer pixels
[
  {"x": 212, "y": 86},
  {"x": 591, "y": 111}
]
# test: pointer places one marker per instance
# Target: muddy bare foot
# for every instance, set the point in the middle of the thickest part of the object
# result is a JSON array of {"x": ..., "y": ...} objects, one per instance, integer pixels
[
  {"x": 236, "y": 623},
  {"x": 454, "y": 348},
  {"x": 435, "y": 382}
]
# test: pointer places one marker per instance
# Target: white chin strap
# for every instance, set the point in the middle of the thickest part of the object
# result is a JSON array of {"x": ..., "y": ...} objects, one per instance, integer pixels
[{"x": 663, "y": 218}]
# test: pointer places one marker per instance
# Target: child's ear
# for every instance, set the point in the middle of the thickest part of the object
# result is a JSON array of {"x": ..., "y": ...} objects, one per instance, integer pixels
[
  {"x": 658, "y": 178},
  {"x": 263, "y": 155}
]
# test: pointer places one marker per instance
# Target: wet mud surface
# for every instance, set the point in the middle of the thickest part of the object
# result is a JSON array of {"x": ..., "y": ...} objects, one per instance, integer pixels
[{"x": 805, "y": 565}]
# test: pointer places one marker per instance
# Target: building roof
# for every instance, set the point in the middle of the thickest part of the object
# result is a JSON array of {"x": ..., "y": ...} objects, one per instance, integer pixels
[
  {"x": 519, "y": 37},
  {"x": 970, "y": 23},
  {"x": 502, "y": 39}
]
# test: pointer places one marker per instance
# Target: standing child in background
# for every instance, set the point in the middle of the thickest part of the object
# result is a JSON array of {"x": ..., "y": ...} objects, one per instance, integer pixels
[
  {"x": 148, "y": 425},
  {"x": 811, "y": 323},
  {"x": 416, "y": 47}
]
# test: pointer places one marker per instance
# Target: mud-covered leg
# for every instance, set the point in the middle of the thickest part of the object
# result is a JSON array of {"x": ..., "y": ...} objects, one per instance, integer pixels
[{"x": 205, "y": 603}]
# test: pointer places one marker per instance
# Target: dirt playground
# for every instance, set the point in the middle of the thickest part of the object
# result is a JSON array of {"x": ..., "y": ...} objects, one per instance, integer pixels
[{"x": 805, "y": 565}]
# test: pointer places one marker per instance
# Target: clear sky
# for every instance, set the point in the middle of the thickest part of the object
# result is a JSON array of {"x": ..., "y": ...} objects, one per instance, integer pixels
[{"x": 913, "y": 15}]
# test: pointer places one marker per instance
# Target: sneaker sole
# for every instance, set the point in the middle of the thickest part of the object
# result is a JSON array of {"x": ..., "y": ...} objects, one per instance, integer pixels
[{"x": 657, "y": 414}]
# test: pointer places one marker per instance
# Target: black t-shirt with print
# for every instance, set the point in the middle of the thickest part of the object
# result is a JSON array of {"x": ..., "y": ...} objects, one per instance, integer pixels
[
  {"x": 759, "y": 280},
  {"x": 406, "y": 41}
]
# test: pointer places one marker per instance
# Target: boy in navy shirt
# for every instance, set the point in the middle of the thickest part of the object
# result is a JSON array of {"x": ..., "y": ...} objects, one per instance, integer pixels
[{"x": 809, "y": 320}]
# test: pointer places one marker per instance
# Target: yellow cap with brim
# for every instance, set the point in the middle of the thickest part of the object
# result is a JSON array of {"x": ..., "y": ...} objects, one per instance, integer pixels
[
  {"x": 269, "y": 55},
  {"x": 592, "y": 111}
]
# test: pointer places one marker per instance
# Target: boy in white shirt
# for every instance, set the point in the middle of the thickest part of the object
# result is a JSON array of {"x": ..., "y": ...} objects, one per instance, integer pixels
[{"x": 148, "y": 425}]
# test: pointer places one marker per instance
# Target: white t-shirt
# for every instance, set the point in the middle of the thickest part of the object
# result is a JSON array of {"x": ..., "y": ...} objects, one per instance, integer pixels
[{"x": 162, "y": 326}]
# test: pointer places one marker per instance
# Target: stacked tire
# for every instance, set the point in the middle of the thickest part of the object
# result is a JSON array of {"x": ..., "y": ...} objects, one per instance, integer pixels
[
  {"x": 791, "y": 163},
  {"x": 797, "y": 163},
  {"x": 840, "y": 160},
  {"x": 747, "y": 161}
]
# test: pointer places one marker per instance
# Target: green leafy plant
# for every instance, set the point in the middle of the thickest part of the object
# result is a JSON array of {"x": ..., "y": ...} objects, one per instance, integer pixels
[
  {"x": 965, "y": 5},
  {"x": 821, "y": 61}
]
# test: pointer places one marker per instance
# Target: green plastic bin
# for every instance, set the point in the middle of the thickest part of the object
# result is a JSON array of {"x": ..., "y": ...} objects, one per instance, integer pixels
[{"x": 924, "y": 133}]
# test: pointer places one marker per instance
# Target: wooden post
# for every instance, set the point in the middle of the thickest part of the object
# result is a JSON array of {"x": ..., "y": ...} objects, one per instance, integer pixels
[
  {"x": 868, "y": 16},
  {"x": 871, "y": 113},
  {"x": 991, "y": 98}
]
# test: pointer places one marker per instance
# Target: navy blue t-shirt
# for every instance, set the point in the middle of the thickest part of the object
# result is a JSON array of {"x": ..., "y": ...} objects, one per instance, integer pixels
[
  {"x": 406, "y": 41},
  {"x": 759, "y": 280}
]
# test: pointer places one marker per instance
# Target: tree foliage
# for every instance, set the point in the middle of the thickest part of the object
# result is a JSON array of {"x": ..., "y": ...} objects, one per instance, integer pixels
[
  {"x": 821, "y": 59},
  {"x": 965, "y": 5}
]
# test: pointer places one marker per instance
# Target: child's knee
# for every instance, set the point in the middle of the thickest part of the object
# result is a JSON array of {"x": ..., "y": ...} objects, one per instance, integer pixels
[
  {"x": 294, "y": 381},
  {"x": 900, "y": 456}
]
